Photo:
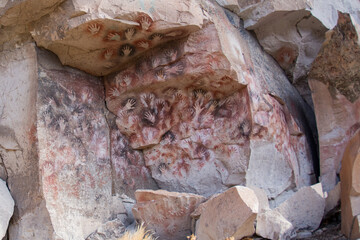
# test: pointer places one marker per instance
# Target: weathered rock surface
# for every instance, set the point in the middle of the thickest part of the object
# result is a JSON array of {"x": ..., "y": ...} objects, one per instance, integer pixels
[
  {"x": 335, "y": 83},
  {"x": 262, "y": 199},
  {"x": 6, "y": 208},
  {"x": 18, "y": 139},
  {"x": 100, "y": 38},
  {"x": 273, "y": 225},
  {"x": 305, "y": 209},
  {"x": 78, "y": 156},
  {"x": 166, "y": 213},
  {"x": 230, "y": 214},
  {"x": 190, "y": 103},
  {"x": 292, "y": 31},
  {"x": 186, "y": 104},
  {"x": 350, "y": 189}
]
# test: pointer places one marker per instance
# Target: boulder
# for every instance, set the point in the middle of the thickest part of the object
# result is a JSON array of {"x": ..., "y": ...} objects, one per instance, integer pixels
[
  {"x": 6, "y": 208},
  {"x": 166, "y": 213},
  {"x": 230, "y": 214},
  {"x": 334, "y": 81},
  {"x": 304, "y": 209},
  {"x": 350, "y": 189},
  {"x": 272, "y": 225}
]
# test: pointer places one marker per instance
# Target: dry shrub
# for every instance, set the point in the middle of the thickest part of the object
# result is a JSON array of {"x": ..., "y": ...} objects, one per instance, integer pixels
[{"x": 139, "y": 234}]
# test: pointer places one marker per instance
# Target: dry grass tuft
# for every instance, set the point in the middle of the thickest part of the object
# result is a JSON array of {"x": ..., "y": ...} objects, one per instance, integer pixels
[{"x": 140, "y": 234}]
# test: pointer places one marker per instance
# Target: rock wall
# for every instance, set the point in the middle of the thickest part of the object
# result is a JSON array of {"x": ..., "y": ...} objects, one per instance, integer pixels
[
  {"x": 166, "y": 94},
  {"x": 335, "y": 83}
]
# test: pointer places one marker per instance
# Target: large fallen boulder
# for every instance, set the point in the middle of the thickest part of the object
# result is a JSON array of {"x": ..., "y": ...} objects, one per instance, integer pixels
[
  {"x": 350, "y": 189},
  {"x": 304, "y": 209},
  {"x": 166, "y": 213},
  {"x": 229, "y": 214},
  {"x": 6, "y": 208}
]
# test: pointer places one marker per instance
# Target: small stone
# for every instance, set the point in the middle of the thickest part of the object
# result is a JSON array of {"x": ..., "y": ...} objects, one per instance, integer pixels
[
  {"x": 273, "y": 225},
  {"x": 304, "y": 234}
]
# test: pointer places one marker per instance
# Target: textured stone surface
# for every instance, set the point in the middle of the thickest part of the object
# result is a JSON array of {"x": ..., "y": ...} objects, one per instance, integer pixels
[
  {"x": 335, "y": 83},
  {"x": 350, "y": 189},
  {"x": 230, "y": 214},
  {"x": 77, "y": 170},
  {"x": 17, "y": 18},
  {"x": 293, "y": 31},
  {"x": 6, "y": 208},
  {"x": 305, "y": 209},
  {"x": 117, "y": 34},
  {"x": 166, "y": 213},
  {"x": 186, "y": 104},
  {"x": 18, "y": 139},
  {"x": 273, "y": 225},
  {"x": 191, "y": 104},
  {"x": 262, "y": 199}
]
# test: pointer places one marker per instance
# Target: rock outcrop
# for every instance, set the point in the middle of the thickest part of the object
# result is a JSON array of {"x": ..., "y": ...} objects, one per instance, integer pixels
[
  {"x": 175, "y": 95},
  {"x": 292, "y": 32},
  {"x": 230, "y": 214},
  {"x": 350, "y": 189},
  {"x": 334, "y": 80},
  {"x": 166, "y": 213},
  {"x": 6, "y": 208}
]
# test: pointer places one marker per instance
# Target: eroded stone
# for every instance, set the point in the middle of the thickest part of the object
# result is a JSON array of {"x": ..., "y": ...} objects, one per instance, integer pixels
[
  {"x": 335, "y": 93},
  {"x": 304, "y": 209},
  {"x": 230, "y": 214},
  {"x": 166, "y": 213},
  {"x": 272, "y": 225},
  {"x": 350, "y": 189}
]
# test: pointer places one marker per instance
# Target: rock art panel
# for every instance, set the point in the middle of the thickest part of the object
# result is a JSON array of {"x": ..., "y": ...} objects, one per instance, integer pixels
[
  {"x": 186, "y": 105},
  {"x": 166, "y": 213},
  {"x": 169, "y": 105},
  {"x": 336, "y": 90},
  {"x": 350, "y": 189},
  {"x": 74, "y": 145},
  {"x": 109, "y": 41},
  {"x": 129, "y": 172}
]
